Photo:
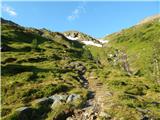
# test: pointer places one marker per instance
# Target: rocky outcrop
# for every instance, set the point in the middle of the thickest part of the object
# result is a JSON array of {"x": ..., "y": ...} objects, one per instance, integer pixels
[
  {"x": 73, "y": 97},
  {"x": 45, "y": 104},
  {"x": 81, "y": 36},
  {"x": 77, "y": 66},
  {"x": 43, "y": 101},
  {"x": 24, "y": 113},
  {"x": 120, "y": 58},
  {"x": 80, "y": 69},
  {"x": 58, "y": 97}
]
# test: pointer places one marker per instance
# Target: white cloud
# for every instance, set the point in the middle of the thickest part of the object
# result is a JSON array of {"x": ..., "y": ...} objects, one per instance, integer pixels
[
  {"x": 76, "y": 12},
  {"x": 74, "y": 15},
  {"x": 9, "y": 10}
]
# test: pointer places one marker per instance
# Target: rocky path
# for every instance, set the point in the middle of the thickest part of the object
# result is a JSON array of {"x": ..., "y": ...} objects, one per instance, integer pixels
[{"x": 94, "y": 108}]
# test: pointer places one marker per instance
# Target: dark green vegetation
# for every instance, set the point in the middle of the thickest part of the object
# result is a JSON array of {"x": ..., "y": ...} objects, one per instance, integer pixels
[{"x": 40, "y": 63}]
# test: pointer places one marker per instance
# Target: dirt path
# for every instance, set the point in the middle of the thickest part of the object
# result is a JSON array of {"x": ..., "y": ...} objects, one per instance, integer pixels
[{"x": 98, "y": 96}]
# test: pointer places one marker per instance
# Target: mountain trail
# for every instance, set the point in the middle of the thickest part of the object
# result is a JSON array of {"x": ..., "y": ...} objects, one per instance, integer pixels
[{"x": 97, "y": 98}]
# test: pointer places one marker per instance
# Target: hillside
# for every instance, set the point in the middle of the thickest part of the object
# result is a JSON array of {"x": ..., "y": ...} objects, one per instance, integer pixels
[
  {"x": 55, "y": 76},
  {"x": 131, "y": 71},
  {"x": 37, "y": 64},
  {"x": 140, "y": 43}
]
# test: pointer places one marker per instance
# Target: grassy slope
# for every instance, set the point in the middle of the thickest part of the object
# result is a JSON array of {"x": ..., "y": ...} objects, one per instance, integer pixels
[
  {"x": 29, "y": 73},
  {"x": 140, "y": 43},
  {"x": 135, "y": 95},
  {"x": 34, "y": 74}
]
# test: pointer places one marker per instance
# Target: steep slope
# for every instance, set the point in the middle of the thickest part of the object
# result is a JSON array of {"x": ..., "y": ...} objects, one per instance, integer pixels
[
  {"x": 129, "y": 67},
  {"x": 37, "y": 64},
  {"x": 43, "y": 70},
  {"x": 140, "y": 43}
]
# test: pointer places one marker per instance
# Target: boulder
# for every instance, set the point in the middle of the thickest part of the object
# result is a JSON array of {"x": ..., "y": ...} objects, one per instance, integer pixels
[
  {"x": 77, "y": 66},
  {"x": 72, "y": 98},
  {"x": 57, "y": 100},
  {"x": 58, "y": 97},
  {"x": 56, "y": 103},
  {"x": 24, "y": 113},
  {"x": 43, "y": 101}
]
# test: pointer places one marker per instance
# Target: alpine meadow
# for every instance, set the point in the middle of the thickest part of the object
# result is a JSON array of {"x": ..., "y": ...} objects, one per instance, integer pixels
[{"x": 70, "y": 75}]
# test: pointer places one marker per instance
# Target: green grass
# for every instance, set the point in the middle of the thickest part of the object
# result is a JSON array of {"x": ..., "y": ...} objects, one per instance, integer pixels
[
  {"x": 140, "y": 89},
  {"x": 33, "y": 69},
  {"x": 33, "y": 66}
]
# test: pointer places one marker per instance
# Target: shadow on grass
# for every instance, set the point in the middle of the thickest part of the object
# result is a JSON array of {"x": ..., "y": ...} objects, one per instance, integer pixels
[{"x": 12, "y": 69}]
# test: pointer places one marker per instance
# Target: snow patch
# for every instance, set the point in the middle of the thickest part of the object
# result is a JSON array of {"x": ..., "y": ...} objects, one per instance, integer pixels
[
  {"x": 72, "y": 38},
  {"x": 92, "y": 43},
  {"x": 102, "y": 41},
  {"x": 88, "y": 42}
]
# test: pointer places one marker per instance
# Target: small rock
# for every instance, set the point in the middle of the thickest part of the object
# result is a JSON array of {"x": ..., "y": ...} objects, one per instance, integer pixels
[
  {"x": 59, "y": 97},
  {"x": 72, "y": 98},
  {"x": 57, "y": 100},
  {"x": 145, "y": 117}
]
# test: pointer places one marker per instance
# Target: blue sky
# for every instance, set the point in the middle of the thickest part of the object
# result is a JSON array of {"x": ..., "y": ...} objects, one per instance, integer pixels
[{"x": 94, "y": 18}]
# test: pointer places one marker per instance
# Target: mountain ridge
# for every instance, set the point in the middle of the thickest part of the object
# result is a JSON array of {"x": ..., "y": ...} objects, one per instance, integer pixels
[{"x": 149, "y": 19}]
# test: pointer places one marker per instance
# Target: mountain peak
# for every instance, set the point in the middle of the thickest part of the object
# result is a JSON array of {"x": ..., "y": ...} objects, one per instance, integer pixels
[{"x": 84, "y": 38}]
